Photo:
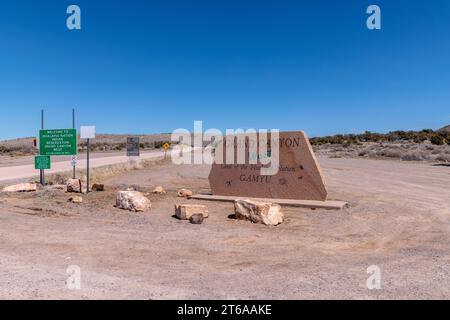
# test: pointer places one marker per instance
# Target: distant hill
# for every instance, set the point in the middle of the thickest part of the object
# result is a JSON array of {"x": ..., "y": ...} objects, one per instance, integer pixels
[
  {"x": 115, "y": 142},
  {"x": 103, "y": 142}
]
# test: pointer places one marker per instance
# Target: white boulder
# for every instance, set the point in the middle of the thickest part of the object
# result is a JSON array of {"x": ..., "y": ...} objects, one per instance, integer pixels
[
  {"x": 186, "y": 211},
  {"x": 74, "y": 186},
  {"x": 259, "y": 212},
  {"x": 185, "y": 193},
  {"x": 22, "y": 187},
  {"x": 132, "y": 201},
  {"x": 159, "y": 190}
]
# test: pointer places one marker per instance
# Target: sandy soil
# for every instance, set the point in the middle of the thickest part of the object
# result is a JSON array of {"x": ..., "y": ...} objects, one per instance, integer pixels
[{"x": 399, "y": 220}]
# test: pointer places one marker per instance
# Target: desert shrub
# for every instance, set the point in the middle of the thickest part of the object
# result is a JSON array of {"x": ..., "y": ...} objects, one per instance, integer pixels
[
  {"x": 372, "y": 154},
  {"x": 23, "y": 149},
  {"x": 146, "y": 145},
  {"x": 363, "y": 153},
  {"x": 447, "y": 138},
  {"x": 437, "y": 140},
  {"x": 394, "y": 136},
  {"x": 100, "y": 174},
  {"x": 370, "y": 137},
  {"x": 159, "y": 144},
  {"x": 443, "y": 157},
  {"x": 390, "y": 153},
  {"x": 57, "y": 178},
  {"x": 413, "y": 156}
]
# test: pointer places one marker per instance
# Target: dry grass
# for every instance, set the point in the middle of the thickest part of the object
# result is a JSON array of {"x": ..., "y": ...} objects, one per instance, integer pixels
[
  {"x": 401, "y": 145},
  {"x": 109, "y": 142},
  {"x": 18, "y": 147},
  {"x": 101, "y": 174},
  {"x": 405, "y": 151}
]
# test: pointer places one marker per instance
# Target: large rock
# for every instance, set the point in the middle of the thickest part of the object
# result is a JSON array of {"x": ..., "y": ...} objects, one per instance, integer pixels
[
  {"x": 159, "y": 190},
  {"x": 74, "y": 186},
  {"x": 23, "y": 187},
  {"x": 197, "y": 219},
  {"x": 76, "y": 199},
  {"x": 98, "y": 187},
  {"x": 132, "y": 201},
  {"x": 296, "y": 172},
  {"x": 259, "y": 212},
  {"x": 186, "y": 211},
  {"x": 185, "y": 193}
]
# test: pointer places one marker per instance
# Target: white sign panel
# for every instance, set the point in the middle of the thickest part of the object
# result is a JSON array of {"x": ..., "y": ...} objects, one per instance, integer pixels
[
  {"x": 87, "y": 132},
  {"x": 73, "y": 161}
]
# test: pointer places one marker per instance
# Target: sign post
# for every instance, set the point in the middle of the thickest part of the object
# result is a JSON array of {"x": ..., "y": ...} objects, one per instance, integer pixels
[
  {"x": 133, "y": 147},
  {"x": 87, "y": 166},
  {"x": 166, "y": 147},
  {"x": 74, "y": 163},
  {"x": 41, "y": 172},
  {"x": 87, "y": 133}
]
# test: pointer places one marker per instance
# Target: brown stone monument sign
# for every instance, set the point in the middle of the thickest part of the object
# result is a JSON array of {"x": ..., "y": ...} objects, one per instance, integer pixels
[{"x": 299, "y": 176}]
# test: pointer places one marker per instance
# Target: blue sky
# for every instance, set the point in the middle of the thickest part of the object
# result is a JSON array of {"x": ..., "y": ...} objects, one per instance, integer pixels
[{"x": 155, "y": 66}]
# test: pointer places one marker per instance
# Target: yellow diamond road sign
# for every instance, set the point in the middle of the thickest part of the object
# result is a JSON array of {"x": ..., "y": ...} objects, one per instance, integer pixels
[{"x": 166, "y": 146}]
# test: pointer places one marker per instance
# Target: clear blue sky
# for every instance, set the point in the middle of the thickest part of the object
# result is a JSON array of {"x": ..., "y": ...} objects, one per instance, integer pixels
[{"x": 155, "y": 66}]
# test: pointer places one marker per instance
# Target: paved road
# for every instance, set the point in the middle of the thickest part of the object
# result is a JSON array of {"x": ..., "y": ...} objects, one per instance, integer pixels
[{"x": 13, "y": 173}]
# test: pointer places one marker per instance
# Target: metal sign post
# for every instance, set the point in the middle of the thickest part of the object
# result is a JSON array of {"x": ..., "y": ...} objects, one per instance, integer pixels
[
  {"x": 87, "y": 174},
  {"x": 87, "y": 133},
  {"x": 74, "y": 164},
  {"x": 41, "y": 171},
  {"x": 166, "y": 147}
]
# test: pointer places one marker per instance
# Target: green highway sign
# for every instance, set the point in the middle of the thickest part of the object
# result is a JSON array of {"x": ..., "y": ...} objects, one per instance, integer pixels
[
  {"x": 60, "y": 142},
  {"x": 42, "y": 163}
]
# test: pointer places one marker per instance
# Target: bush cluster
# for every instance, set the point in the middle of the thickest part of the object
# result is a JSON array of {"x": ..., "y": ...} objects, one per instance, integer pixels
[
  {"x": 435, "y": 137},
  {"x": 121, "y": 146}
]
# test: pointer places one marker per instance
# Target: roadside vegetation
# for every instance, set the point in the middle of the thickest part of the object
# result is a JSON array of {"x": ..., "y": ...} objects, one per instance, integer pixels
[
  {"x": 439, "y": 137},
  {"x": 101, "y": 174},
  {"x": 102, "y": 143},
  {"x": 424, "y": 145}
]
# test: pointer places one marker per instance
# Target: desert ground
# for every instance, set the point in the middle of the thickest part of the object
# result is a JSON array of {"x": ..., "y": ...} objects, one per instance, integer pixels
[{"x": 398, "y": 220}]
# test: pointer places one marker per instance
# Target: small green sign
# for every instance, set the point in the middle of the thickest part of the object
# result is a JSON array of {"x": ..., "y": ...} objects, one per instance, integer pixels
[
  {"x": 60, "y": 142},
  {"x": 42, "y": 163}
]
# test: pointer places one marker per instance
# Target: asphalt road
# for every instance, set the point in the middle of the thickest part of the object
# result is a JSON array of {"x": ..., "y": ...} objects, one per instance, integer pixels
[{"x": 19, "y": 172}]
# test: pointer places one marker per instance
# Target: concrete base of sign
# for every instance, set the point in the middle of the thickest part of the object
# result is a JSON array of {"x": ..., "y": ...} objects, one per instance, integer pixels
[{"x": 311, "y": 204}]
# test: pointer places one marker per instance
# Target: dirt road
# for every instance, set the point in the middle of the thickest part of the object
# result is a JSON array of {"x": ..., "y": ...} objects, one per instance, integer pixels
[{"x": 399, "y": 220}]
